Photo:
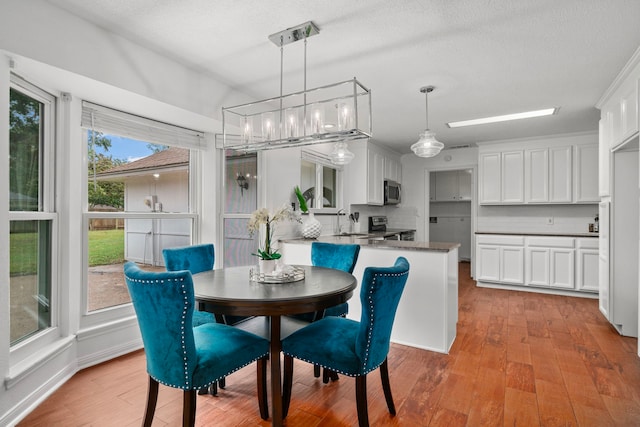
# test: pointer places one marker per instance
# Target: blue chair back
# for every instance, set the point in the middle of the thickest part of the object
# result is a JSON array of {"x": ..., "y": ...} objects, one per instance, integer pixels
[
  {"x": 379, "y": 295},
  {"x": 164, "y": 304},
  {"x": 331, "y": 255},
  {"x": 195, "y": 258}
]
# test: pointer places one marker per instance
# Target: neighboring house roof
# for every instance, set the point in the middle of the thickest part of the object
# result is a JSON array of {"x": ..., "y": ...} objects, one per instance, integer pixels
[{"x": 171, "y": 158}]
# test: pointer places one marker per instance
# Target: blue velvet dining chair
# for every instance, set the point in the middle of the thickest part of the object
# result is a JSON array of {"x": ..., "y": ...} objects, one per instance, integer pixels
[
  {"x": 339, "y": 257},
  {"x": 182, "y": 356},
  {"x": 196, "y": 259},
  {"x": 350, "y": 347}
]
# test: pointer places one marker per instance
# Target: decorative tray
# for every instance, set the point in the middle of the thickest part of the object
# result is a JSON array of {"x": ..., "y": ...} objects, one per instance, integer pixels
[{"x": 293, "y": 274}]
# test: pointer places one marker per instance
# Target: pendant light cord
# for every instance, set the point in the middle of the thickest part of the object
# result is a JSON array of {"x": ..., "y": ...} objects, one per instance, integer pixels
[
  {"x": 426, "y": 106},
  {"x": 281, "y": 78}
]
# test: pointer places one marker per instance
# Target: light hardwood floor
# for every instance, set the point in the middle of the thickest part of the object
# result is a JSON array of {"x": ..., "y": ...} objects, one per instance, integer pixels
[{"x": 519, "y": 359}]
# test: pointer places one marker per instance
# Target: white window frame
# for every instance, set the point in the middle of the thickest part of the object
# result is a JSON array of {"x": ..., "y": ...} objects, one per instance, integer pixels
[
  {"x": 99, "y": 317},
  {"x": 321, "y": 161},
  {"x": 23, "y": 350}
]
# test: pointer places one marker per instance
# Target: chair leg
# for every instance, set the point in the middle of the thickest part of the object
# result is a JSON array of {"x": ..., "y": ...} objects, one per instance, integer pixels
[
  {"x": 189, "y": 408},
  {"x": 222, "y": 382},
  {"x": 263, "y": 404},
  {"x": 213, "y": 388},
  {"x": 386, "y": 386},
  {"x": 287, "y": 383},
  {"x": 152, "y": 399},
  {"x": 361, "y": 401},
  {"x": 316, "y": 371},
  {"x": 329, "y": 375}
]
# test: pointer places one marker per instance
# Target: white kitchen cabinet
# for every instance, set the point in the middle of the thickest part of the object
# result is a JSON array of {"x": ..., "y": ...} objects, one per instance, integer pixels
[
  {"x": 368, "y": 164},
  {"x": 536, "y": 174},
  {"x": 452, "y": 186},
  {"x": 502, "y": 177},
  {"x": 375, "y": 178},
  {"x": 549, "y": 262},
  {"x": 488, "y": 263},
  {"x": 604, "y": 155},
  {"x": 489, "y": 181},
  {"x": 512, "y": 179},
  {"x": 560, "y": 161},
  {"x": 540, "y": 172},
  {"x": 585, "y": 174},
  {"x": 537, "y": 266},
  {"x": 562, "y": 268},
  {"x": 500, "y": 259},
  {"x": 512, "y": 264},
  {"x": 548, "y": 174},
  {"x": 446, "y": 186},
  {"x": 392, "y": 169},
  {"x": 603, "y": 264},
  {"x": 562, "y": 263},
  {"x": 628, "y": 111},
  {"x": 464, "y": 184},
  {"x": 587, "y": 261}
]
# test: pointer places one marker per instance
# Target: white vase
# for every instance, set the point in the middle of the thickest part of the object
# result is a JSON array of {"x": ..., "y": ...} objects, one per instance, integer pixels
[
  {"x": 267, "y": 266},
  {"x": 311, "y": 227}
]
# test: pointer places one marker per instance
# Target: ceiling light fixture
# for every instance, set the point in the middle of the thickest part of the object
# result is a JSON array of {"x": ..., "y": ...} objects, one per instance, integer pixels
[
  {"x": 341, "y": 154},
  {"x": 427, "y": 145},
  {"x": 505, "y": 118},
  {"x": 335, "y": 113}
]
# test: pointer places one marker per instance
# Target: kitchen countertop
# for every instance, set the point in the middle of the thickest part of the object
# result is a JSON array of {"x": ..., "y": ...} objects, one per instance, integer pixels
[
  {"x": 366, "y": 240},
  {"x": 551, "y": 234}
]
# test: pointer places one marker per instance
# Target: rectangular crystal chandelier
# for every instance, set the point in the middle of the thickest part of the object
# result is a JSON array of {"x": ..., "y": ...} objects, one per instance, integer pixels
[{"x": 331, "y": 113}]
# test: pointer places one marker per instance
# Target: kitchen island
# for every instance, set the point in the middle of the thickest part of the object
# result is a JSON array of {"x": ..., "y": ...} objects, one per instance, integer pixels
[{"x": 428, "y": 311}]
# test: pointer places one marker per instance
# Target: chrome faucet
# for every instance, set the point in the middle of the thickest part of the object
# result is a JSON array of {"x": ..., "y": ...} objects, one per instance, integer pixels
[{"x": 338, "y": 231}]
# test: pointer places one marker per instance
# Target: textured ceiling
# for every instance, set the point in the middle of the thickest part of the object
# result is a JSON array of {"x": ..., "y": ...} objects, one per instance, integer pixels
[{"x": 485, "y": 57}]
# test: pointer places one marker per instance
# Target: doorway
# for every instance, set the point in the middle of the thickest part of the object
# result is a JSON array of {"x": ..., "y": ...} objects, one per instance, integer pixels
[{"x": 451, "y": 209}]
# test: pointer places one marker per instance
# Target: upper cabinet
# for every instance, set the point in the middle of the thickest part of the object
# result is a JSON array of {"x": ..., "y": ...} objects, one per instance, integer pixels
[
  {"x": 502, "y": 177},
  {"x": 392, "y": 169},
  {"x": 540, "y": 172},
  {"x": 375, "y": 165},
  {"x": 585, "y": 180},
  {"x": 450, "y": 186},
  {"x": 619, "y": 118}
]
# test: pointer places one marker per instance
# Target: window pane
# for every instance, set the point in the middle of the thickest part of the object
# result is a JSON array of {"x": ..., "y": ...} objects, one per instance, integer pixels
[
  {"x": 238, "y": 245},
  {"x": 241, "y": 183},
  {"x": 126, "y": 175},
  {"x": 112, "y": 241},
  {"x": 308, "y": 182},
  {"x": 24, "y": 152},
  {"x": 329, "y": 187},
  {"x": 30, "y": 278},
  {"x": 136, "y": 176}
]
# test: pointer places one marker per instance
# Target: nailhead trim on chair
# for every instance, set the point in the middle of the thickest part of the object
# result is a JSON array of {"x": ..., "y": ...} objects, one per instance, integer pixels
[
  {"x": 368, "y": 337},
  {"x": 186, "y": 386}
]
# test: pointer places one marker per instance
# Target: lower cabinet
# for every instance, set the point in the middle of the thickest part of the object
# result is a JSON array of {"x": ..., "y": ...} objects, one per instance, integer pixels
[
  {"x": 550, "y": 262},
  {"x": 538, "y": 261},
  {"x": 587, "y": 265},
  {"x": 500, "y": 259}
]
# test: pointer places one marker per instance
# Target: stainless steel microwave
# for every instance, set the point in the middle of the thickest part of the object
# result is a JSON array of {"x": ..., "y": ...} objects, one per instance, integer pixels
[{"x": 392, "y": 192}]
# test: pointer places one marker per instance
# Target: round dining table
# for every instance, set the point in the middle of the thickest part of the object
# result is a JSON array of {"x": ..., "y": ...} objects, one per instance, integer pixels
[{"x": 231, "y": 291}]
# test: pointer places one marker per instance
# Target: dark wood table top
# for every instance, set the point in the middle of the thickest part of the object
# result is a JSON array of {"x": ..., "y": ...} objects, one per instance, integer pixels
[{"x": 229, "y": 291}]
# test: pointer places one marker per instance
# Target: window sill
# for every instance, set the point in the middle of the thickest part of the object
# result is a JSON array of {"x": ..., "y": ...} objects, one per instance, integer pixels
[{"x": 37, "y": 360}]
